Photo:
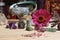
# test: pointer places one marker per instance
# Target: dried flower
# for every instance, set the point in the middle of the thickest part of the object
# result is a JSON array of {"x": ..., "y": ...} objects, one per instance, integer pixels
[{"x": 41, "y": 17}]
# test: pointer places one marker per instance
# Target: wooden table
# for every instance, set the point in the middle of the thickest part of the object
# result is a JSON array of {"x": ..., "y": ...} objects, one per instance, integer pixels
[{"x": 15, "y": 34}]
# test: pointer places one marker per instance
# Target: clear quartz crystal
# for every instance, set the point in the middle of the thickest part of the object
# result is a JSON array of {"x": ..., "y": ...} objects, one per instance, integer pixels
[
  {"x": 29, "y": 23},
  {"x": 3, "y": 19}
]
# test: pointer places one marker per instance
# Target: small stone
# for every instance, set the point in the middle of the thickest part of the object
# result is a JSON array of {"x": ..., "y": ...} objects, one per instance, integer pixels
[
  {"x": 14, "y": 26},
  {"x": 42, "y": 30},
  {"x": 36, "y": 27},
  {"x": 51, "y": 29},
  {"x": 21, "y": 25},
  {"x": 10, "y": 24},
  {"x": 29, "y": 28},
  {"x": 7, "y": 26}
]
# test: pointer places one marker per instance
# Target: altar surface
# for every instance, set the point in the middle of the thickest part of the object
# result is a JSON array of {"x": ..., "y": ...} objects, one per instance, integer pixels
[{"x": 15, "y": 34}]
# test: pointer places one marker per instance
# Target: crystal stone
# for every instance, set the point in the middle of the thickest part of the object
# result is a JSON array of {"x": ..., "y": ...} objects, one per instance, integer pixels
[
  {"x": 42, "y": 30},
  {"x": 11, "y": 25},
  {"x": 51, "y": 29},
  {"x": 7, "y": 26},
  {"x": 21, "y": 25},
  {"x": 29, "y": 28},
  {"x": 14, "y": 26}
]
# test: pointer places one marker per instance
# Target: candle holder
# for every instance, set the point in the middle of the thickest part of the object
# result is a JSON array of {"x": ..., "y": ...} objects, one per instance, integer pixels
[{"x": 21, "y": 9}]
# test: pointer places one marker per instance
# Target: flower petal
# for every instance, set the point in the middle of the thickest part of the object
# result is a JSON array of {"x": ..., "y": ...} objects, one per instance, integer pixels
[{"x": 44, "y": 13}]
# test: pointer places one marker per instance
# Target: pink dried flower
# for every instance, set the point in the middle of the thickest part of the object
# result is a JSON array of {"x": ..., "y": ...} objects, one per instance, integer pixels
[{"x": 41, "y": 17}]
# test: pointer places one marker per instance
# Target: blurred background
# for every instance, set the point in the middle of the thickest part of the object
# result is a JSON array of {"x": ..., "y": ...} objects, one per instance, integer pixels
[{"x": 45, "y": 4}]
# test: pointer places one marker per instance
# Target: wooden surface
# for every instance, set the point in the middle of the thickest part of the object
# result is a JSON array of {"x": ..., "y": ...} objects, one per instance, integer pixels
[
  {"x": 15, "y": 34},
  {"x": 11, "y": 34}
]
